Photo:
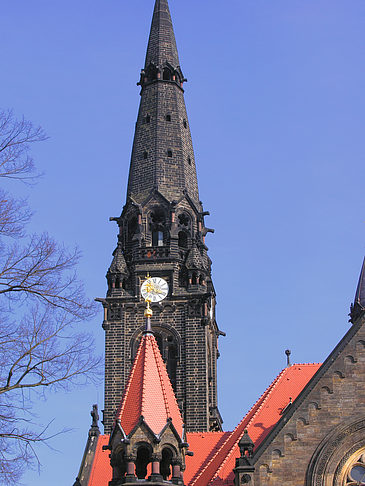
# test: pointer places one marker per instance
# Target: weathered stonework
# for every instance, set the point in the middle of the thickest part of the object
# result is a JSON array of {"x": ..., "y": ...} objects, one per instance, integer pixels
[
  {"x": 162, "y": 233},
  {"x": 325, "y": 426}
]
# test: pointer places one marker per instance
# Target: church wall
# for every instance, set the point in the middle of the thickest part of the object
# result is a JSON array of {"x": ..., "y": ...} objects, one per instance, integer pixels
[{"x": 337, "y": 399}]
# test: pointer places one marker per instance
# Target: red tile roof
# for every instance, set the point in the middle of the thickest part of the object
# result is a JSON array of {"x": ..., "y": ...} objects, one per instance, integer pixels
[
  {"x": 215, "y": 452},
  {"x": 217, "y": 469},
  {"x": 101, "y": 471},
  {"x": 204, "y": 445},
  {"x": 149, "y": 392}
]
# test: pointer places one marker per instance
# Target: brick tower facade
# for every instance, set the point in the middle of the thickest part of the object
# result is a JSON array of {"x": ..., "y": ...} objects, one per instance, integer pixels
[{"x": 162, "y": 233}]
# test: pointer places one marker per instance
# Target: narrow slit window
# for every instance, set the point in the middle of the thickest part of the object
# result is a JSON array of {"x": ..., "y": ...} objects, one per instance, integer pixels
[
  {"x": 148, "y": 119},
  {"x": 185, "y": 124},
  {"x": 168, "y": 118},
  {"x": 169, "y": 153},
  {"x": 145, "y": 155},
  {"x": 189, "y": 160}
]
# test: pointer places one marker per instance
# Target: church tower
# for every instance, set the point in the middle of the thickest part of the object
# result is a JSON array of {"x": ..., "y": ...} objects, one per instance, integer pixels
[{"x": 162, "y": 233}]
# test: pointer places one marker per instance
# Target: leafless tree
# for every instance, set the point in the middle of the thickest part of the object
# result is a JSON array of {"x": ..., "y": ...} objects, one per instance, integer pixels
[{"x": 41, "y": 305}]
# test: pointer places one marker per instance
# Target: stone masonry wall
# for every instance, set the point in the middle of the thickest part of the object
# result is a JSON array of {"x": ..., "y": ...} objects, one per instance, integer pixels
[{"x": 338, "y": 397}]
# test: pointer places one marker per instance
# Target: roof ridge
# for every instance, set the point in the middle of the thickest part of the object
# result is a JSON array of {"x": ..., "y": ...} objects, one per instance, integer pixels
[
  {"x": 167, "y": 408},
  {"x": 277, "y": 383},
  {"x": 144, "y": 384},
  {"x": 264, "y": 397},
  {"x": 130, "y": 379},
  {"x": 305, "y": 364},
  {"x": 209, "y": 432},
  {"x": 313, "y": 381},
  {"x": 250, "y": 413},
  {"x": 255, "y": 410}
]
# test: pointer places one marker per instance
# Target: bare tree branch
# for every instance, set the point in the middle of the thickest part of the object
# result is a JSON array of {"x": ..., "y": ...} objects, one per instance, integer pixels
[
  {"x": 45, "y": 351},
  {"x": 41, "y": 305},
  {"x": 16, "y": 137},
  {"x": 14, "y": 214},
  {"x": 44, "y": 270}
]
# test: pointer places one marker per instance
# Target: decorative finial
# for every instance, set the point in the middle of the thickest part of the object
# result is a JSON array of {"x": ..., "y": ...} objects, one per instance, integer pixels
[
  {"x": 246, "y": 445},
  {"x": 95, "y": 416},
  {"x": 94, "y": 429},
  {"x": 148, "y": 311},
  {"x": 288, "y": 353}
]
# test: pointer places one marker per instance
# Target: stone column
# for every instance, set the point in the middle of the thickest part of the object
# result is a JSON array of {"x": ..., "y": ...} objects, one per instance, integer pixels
[
  {"x": 156, "y": 476},
  {"x": 176, "y": 472},
  {"x": 130, "y": 463}
]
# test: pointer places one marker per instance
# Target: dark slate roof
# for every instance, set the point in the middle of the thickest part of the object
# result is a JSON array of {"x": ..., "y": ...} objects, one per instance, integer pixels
[
  {"x": 118, "y": 264},
  {"x": 162, "y": 43}
]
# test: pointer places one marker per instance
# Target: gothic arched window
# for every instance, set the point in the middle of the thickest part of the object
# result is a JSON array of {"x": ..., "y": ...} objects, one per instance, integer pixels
[
  {"x": 157, "y": 220},
  {"x": 183, "y": 239},
  {"x": 167, "y": 74},
  {"x": 151, "y": 72},
  {"x": 132, "y": 227}
]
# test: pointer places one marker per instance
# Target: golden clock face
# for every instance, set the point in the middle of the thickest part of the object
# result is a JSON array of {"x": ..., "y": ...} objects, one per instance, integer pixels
[{"x": 154, "y": 289}]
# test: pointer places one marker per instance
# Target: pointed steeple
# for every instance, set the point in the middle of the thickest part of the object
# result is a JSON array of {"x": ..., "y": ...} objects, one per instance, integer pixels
[
  {"x": 162, "y": 156},
  {"x": 148, "y": 428},
  {"x": 162, "y": 232},
  {"x": 162, "y": 43},
  {"x": 149, "y": 393},
  {"x": 118, "y": 265},
  {"x": 194, "y": 260},
  {"x": 358, "y": 307}
]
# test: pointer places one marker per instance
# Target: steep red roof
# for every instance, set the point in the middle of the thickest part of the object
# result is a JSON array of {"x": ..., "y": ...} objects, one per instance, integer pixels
[
  {"x": 101, "y": 472},
  {"x": 214, "y": 452},
  {"x": 204, "y": 445},
  {"x": 217, "y": 469},
  {"x": 149, "y": 392}
]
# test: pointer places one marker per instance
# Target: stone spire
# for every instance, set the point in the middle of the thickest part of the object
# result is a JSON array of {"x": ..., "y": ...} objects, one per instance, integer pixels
[
  {"x": 162, "y": 43},
  {"x": 162, "y": 234},
  {"x": 358, "y": 307},
  {"x": 162, "y": 154}
]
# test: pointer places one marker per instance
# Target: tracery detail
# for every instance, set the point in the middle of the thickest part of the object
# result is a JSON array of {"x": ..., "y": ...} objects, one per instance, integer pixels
[{"x": 355, "y": 473}]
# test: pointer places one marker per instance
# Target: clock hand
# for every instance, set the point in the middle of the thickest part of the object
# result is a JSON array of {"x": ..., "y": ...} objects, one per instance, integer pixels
[{"x": 157, "y": 290}]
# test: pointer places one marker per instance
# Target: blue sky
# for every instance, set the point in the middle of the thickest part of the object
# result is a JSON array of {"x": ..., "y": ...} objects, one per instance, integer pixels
[{"x": 276, "y": 106}]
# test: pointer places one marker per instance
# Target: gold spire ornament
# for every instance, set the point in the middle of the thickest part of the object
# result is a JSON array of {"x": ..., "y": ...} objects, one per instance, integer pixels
[{"x": 148, "y": 311}]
